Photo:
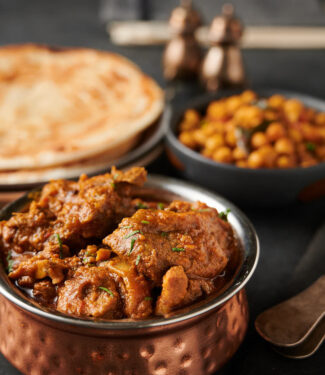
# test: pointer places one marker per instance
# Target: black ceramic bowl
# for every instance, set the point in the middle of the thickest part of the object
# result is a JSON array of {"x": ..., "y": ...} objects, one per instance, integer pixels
[{"x": 254, "y": 187}]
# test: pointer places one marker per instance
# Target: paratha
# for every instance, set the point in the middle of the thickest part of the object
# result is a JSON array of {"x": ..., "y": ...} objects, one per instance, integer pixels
[
  {"x": 60, "y": 106},
  {"x": 90, "y": 167},
  {"x": 69, "y": 170}
]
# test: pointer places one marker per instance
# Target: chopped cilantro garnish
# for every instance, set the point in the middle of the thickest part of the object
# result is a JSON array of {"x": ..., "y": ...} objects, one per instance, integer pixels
[
  {"x": 164, "y": 234},
  {"x": 224, "y": 214},
  {"x": 60, "y": 244},
  {"x": 131, "y": 234},
  {"x": 137, "y": 260},
  {"x": 147, "y": 298},
  {"x": 144, "y": 221},
  {"x": 160, "y": 206},
  {"x": 85, "y": 261},
  {"x": 9, "y": 262},
  {"x": 113, "y": 185},
  {"x": 310, "y": 146},
  {"x": 141, "y": 205},
  {"x": 132, "y": 246},
  {"x": 178, "y": 249},
  {"x": 106, "y": 290}
]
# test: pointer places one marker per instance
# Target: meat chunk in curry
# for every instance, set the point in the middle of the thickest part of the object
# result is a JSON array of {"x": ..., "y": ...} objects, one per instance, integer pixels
[
  {"x": 98, "y": 249},
  {"x": 191, "y": 236},
  {"x": 90, "y": 292},
  {"x": 75, "y": 211}
]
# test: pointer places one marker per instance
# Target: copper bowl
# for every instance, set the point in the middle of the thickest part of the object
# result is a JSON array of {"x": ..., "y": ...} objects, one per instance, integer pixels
[{"x": 198, "y": 340}]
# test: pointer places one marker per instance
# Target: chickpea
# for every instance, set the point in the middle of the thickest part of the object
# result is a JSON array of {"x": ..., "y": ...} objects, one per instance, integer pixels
[
  {"x": 270, "y": 115},
  {"x": 255, "y": 160},
  {"x": 285, "y": 161},
  {"x": 186, "y": 126},
  {"x": 215, "y": 142},
  {"x": 308, "y": 114},
  {"x": 229, "y": 126},
  {"x": 255, "y": 115},
  {"x": 187, "y": 139},
  {"x": 295, "y": 135},
  {"x": 308, "y": 163},
  {"x": 275, "y": 131},
  {"x": 320, "y": 119},
  {"x": 217, "y": 110},
  {"x": 207, "y": 152},
  {"x": 218, "y": 126},
  {"x": 320, "y": 152},
  {"x": 223, "y": 155},
  {"x": 310, "y": 132},
  {"x": 239, "y": 154},
  {"x": 276, "y": 101},
  {"x": 200, "y": 137},
  {"x": 248, "y": 96},
  {"x": 306, "y": 158},
  {"x": 269, "y": 155},
  {"x": 231, "y": 139},
  {"x": 284, "y": 146},
  {"x": 248, "y": 116},
  {"x": 208, "y": 129},
  {"x": 233, "y": 103},
  {"x": 293, "y": 109},
  {"x": 192, "y": 116},
  {"x": 242, "y": 164},
  {"x": 302, "y": 152},
  {"x": 294, "y": 115},
  {"x": 258, "y": 140},
  {"x": 321, "y": 132}
]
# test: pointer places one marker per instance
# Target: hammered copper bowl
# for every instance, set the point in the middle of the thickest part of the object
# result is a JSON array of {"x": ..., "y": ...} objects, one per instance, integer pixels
[{"x": 194, "y": 341}]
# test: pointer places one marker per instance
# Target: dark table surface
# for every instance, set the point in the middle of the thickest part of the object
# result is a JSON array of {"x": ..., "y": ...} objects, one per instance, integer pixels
[{"x": 284, "y": 232}]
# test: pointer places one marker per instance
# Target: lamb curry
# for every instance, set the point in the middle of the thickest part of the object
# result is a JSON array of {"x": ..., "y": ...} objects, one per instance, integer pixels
[{"x": 96, "y": 249}]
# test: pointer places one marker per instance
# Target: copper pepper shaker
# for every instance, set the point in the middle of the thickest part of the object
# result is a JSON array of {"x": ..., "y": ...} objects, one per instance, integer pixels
[
  {"x": 223, "y": 66},
  {"x": 182, "y": 56}
]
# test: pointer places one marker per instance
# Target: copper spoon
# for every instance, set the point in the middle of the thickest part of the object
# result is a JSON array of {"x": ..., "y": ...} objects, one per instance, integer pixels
[
  {"x": 290, "y": 322},
  {"x": 308, "y": 347}
]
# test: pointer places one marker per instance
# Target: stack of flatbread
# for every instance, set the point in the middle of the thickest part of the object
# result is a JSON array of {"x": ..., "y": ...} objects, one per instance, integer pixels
[{"x": 64, "y": 112}]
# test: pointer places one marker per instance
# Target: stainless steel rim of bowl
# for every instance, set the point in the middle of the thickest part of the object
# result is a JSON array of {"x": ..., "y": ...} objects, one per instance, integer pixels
[
  {"x": 173, "y": 115},
  {"x": 241, "y": 224}
]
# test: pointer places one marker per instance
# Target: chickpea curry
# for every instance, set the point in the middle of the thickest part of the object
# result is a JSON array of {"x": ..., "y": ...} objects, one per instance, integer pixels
[
  {"x": 96, "y": 249},
  {"x": 253, "y": 132}
]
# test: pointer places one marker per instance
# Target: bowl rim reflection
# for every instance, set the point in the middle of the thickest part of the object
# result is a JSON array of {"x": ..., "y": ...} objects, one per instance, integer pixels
[
  {"x": 174, "y": 112},
  {"x": 243, "y": 228}
]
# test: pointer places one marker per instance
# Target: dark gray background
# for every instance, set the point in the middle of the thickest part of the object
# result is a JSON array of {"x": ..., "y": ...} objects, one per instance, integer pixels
[
  {"x": 252, "y": 12},
  {"x": 284, "y": 232}
]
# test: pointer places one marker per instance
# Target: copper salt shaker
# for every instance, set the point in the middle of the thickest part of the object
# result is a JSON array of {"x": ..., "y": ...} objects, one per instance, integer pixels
[
  {"x": 182, "y": 56},
  {"x": 223, "y": 66}
]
